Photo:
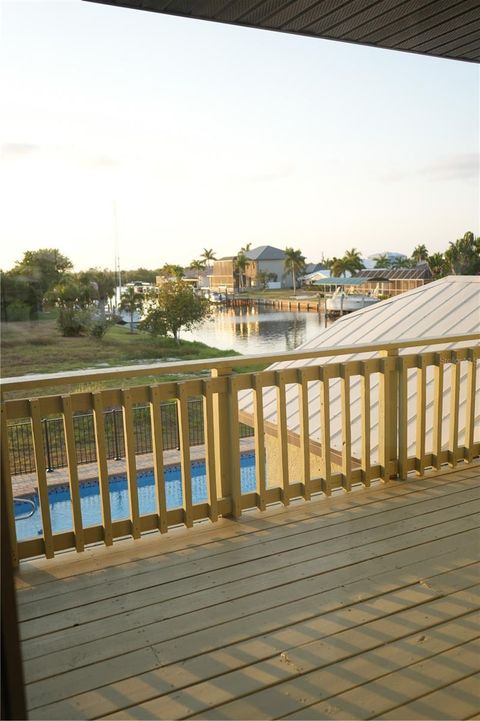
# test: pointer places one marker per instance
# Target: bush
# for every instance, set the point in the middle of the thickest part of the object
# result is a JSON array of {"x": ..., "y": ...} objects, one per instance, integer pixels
[
  {"x": 17, "y": 310},
  {"x": 98, "y": 326},
  {"x": 72, "y": 322}
]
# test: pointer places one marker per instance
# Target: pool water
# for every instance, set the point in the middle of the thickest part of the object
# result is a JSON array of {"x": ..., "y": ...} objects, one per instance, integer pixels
[{"x": 61, "y": 510}]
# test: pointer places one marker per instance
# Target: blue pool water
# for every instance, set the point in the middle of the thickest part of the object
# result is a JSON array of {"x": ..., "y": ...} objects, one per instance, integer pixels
[{"x": 61, "y": 510}]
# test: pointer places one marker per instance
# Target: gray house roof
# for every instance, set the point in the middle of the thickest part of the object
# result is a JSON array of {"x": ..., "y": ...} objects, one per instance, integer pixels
[
  {"x": 265, "y": 252},
  {"x": 450, "y": 306}
]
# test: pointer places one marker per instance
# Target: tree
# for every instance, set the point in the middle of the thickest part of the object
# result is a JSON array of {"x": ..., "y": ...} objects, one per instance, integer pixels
[
  {"x": 175, "y": 306},
  {"x": 294, "y": 264},
  {"x": 420, "y": 253},
  {"x": 20, "y": 297},
  {"x": 438, "y": 265},
  {"x": 353, "y": 260},
  {"x": 339, "y": 267},
  {"x": 45, "y": 266},
  {"x": 130, "y": 302},
  {"x": 400, "y": 262},
  {"x": 208, "y": 255},
  {"x": 172, "y": 270},
  {"x": 383, "y": 261},
  {"x": 463, "y": 255},
  {"x": 240, "y": 265},
  {"x": 264, "y": 277},
  {"x": 197, "y": 265}
]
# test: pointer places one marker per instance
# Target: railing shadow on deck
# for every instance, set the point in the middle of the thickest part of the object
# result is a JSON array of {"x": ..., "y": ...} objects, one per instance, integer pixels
[{"x": 321, "y": 420}]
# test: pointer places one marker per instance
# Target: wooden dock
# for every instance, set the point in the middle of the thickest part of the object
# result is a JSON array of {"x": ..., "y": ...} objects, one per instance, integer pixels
[{"x": 362, "y": 605}]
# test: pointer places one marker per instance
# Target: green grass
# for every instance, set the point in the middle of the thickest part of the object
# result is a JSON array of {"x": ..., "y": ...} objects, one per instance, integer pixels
[{"x": 39, "y": 347}]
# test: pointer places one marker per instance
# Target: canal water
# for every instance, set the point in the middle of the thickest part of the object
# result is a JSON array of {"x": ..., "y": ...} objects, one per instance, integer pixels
[{"x": 255, "y": 329}]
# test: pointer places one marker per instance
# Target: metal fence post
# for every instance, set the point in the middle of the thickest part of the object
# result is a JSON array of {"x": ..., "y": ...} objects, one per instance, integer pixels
[
  {"x": 115, "y": 436},
  {"x": 47, "y": 446}
]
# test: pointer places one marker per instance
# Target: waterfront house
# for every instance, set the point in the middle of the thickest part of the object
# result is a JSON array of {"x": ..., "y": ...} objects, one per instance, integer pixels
[{"x": 264, "y": 262}]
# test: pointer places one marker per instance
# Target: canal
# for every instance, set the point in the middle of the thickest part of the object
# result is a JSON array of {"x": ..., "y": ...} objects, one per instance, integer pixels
[{"x": 253, "y": 329}]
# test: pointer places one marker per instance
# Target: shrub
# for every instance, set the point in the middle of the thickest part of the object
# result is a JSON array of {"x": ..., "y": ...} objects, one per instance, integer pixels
[{"x": 17, "y": 310}]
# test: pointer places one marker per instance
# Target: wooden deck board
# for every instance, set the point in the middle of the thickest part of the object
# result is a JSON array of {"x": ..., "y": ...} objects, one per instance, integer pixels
[{"x": 229, "y": 620}]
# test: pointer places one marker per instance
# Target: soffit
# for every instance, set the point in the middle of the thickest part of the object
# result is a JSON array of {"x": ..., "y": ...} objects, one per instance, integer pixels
[{"x": 440, "y": 28}]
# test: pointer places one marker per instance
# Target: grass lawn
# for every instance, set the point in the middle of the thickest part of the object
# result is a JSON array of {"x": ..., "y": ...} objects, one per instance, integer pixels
[{"x": 39, "y": 347}]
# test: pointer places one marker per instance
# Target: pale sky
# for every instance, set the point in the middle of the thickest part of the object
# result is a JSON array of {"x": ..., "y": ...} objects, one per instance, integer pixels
[{"x": 206, "y": 135}]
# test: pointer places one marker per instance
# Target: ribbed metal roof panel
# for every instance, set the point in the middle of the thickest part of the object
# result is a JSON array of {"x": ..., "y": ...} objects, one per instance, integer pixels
[{"x": 442, "y": 308}]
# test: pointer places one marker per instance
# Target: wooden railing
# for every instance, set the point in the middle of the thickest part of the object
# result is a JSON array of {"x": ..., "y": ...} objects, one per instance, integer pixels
[{"x": 351, "y": 415}]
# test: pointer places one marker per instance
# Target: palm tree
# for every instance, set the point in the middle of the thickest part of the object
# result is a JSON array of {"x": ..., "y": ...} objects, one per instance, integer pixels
[
  {"x": 197, "y": 265},
  {"x": 130, "y": 302},
  {"x": 420, "y": 253},
  {"x": 339, "y": 267},
  {"x": 438, "y": 264},
  {"x": 294, "y": 263},
  {"x": 383, "y": 261},
  {"x": 208, "y": 255},
  {"x": 240, "y": 264},
  {"x": 353, "y": 260},
  {"x": 400, "y": 262}
]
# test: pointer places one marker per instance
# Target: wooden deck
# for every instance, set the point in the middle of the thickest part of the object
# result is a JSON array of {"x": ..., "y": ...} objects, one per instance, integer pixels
[{"x": 359, "y": 606}]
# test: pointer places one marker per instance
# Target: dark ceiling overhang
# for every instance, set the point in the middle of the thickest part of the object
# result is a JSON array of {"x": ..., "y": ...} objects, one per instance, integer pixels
[{"x": 440, "y": 28}]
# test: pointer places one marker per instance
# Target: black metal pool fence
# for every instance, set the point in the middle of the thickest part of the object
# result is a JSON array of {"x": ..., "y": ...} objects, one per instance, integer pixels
[{"x": 20, "y": 438}]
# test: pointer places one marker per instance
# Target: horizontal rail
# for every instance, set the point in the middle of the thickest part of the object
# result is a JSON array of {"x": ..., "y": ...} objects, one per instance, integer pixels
[
  {"x": 181, "y": 367},
  {"x": 317, "y": 428}
]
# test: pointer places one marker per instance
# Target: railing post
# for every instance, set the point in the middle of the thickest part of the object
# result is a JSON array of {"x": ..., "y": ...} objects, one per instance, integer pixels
[
  {"x": 47, "y": 446},
  {"x": 224, "y": 434},
  {"x": 388, "y": 414}
]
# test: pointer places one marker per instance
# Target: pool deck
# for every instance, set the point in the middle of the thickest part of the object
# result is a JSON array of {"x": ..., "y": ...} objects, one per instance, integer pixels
[
  {"x": 363, "y": 605},
  {"x": 26, "y": 484}
]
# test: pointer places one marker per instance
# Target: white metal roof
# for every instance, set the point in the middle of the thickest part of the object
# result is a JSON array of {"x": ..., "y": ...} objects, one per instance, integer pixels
[{"x": 445, "y": 307}]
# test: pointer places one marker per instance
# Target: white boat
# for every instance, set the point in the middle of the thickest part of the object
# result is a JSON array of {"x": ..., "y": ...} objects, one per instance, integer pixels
[{"x": 342, "y": 302}]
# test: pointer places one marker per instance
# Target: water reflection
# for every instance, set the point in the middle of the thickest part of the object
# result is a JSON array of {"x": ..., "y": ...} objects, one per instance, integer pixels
[{"x": 254, "y": 329}]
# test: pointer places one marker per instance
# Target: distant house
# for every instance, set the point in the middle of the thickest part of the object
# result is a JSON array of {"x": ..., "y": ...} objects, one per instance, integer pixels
[
  {"x": 397, "y": 280},
  {"x": 262, "y": 261}
]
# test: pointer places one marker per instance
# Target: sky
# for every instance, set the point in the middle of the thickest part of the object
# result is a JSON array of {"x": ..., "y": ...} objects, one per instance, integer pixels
[{"x": 169, "y": 135}]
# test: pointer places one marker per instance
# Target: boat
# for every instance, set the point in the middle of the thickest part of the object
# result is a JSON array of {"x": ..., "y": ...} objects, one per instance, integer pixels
[{"x": 344, "y": 302}]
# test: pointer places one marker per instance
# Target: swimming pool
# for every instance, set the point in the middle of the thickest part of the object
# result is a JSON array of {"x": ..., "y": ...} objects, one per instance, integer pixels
[{"x": 61, "y": 510}]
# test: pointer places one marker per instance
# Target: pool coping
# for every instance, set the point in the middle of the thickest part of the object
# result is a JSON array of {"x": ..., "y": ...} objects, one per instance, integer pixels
[{"x": 26, "y": 484}]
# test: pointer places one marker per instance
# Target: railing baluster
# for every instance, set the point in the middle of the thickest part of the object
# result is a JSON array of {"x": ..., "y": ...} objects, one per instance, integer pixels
[
  {"x": 101, "y": 448},
  {"x": 421, "y": 416},
  {"x": 283, "y": 436},
  {"x": 437, "y": 422},
  {"x": 185, "y": 454},
  {"x": 454, "y": 403},
  {"x": 259, "y": 435},
  {"x": 232, "y": 394},
  {"x": 346, "y": 428},
  {"x": 365, "y": 410},
  {"x": 470, "y": 405},
  {"x": 209, "y": 440},
  {"x": 403, "y": 419},
  {"x": 157, "y": 448},
  {"x": 324, "y": 380},
  {"x": 40, "y": 464},
  {"x": 129, "y": 436},
  {"x": 6, "y": 479},
  {"x": 73, "y": 472},
  {"x": 387, "y": 413},
  {"x": 303, "y": 412}
]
